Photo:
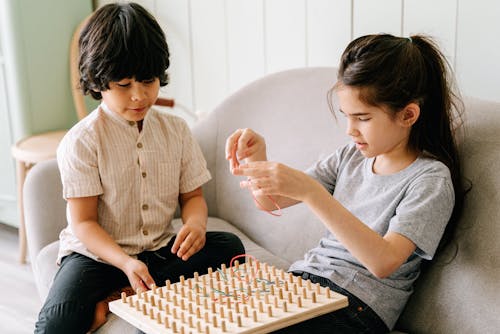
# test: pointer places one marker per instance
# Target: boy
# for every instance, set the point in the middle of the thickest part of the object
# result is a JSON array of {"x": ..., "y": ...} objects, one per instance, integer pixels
[{"x": 124, "y": 168}]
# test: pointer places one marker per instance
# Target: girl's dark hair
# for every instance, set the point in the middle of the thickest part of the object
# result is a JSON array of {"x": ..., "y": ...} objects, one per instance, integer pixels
[
  {"x": 121, "y": 40},
  {"x": 393, "y": 72}
]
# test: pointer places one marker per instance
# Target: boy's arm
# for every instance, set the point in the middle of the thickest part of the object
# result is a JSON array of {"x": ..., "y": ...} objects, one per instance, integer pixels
[
  {"x": 83, "y": 211},
  {"x": 194, "y": 213}
]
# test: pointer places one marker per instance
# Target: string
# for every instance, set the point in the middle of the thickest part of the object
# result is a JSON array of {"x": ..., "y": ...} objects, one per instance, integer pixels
[{"x": 271, "y": 212}]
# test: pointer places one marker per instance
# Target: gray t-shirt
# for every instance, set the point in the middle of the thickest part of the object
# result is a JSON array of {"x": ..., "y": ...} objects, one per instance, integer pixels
[{"x": 416, "y": 202}]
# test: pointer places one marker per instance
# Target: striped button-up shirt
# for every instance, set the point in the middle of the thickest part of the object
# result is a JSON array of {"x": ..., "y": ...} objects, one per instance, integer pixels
[{"x": 137, "y": 176}]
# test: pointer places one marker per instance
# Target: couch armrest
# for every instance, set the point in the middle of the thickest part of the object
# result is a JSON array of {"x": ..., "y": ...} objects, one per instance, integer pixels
[{"x": 44, "y": 207}]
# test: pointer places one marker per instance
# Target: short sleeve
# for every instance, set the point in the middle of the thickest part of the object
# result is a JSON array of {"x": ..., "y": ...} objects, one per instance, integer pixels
[
  {"x": 424, "y": 212},
  {"x": 77, "y": 161},
  {"x": 326, "y": 170},
  {"x": 194, "y": 171}
]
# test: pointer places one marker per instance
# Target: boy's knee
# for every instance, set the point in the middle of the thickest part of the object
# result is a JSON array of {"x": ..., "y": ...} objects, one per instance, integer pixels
[
  {"x": 67, "y": 317},
  {"x": 231, "y": 242},
  {"x": 237, "y": 244}
]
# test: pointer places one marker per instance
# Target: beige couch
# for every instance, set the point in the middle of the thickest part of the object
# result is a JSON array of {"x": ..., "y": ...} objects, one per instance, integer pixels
[{"x": 290, "y": 109}]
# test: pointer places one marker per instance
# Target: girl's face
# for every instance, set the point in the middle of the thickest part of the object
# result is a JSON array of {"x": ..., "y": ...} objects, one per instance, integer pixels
[
  {"x": 375, "y": 130},
  {"x": 131, "y": 99}
]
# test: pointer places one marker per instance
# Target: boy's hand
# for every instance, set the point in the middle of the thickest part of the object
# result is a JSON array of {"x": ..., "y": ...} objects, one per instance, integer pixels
[
  {"x": 245, "y": 144},
  {"x": 190, "y": 239},
  {"x": 138, "y": 275}
]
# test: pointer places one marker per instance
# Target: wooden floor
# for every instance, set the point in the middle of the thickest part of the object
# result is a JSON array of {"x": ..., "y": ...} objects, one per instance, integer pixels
[{"x": 19, "y": 302}]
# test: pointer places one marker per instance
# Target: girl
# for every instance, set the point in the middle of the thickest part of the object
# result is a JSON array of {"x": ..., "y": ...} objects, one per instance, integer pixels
[{"x": 395, "y": 187}]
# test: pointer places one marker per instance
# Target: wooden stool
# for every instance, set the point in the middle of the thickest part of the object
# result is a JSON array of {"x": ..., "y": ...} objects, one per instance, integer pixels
[{"x": 27, "y": 152}]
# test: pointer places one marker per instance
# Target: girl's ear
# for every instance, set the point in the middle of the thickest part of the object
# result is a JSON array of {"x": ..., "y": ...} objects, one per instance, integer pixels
[{"x": 410, "y": 114}]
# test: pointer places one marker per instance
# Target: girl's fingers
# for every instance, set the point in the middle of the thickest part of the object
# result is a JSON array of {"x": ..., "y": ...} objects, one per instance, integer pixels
[{"x": 231, "y": 141}]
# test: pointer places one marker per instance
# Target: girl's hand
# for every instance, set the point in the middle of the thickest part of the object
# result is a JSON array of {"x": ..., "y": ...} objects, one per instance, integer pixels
[
  {"x": 276, "y": 179},
  {"x": 190, "y": 239},
  {"x": 138, "y": 275},
  {"x": 245, "y": 144}
]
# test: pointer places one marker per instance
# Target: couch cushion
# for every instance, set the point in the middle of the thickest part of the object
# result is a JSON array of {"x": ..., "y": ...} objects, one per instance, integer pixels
[{"x": 461, "y": 295}]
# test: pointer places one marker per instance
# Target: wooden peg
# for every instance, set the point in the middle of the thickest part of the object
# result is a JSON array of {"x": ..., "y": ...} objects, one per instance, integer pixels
[
  {"x": 166, "y": 322},
  {"x": 269, "y": 311},
  {"x": 245, "y": 311},
  {"x": 214, "y": 321}
]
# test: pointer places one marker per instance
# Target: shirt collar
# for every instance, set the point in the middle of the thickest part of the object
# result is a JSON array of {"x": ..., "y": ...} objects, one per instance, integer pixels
[{"x": 117, "y": 118}]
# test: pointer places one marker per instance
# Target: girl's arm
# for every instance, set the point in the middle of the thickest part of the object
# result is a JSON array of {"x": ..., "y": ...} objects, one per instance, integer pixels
[
  {"x": 194, "y": 213},
  {"x": 380, "y": 255},
  {"x": 83, "y": 211}
]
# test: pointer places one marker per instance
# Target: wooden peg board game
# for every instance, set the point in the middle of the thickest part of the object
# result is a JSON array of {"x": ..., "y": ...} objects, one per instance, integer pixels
[{"x": 245, "y": 298}]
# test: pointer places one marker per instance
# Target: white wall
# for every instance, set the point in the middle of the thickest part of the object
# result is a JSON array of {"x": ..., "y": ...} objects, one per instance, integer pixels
[{"x": 219, "y": 45}]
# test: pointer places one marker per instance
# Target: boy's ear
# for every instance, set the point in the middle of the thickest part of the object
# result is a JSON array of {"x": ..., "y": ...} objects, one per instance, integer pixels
[{"x": 410, "y": 114}]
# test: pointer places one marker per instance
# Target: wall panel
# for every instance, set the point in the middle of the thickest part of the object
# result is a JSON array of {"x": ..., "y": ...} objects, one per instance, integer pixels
[
  {"x": 434, "y": 18},
  {"x": 371, "y": 17},
  {"x": 173, "y": 16},
  {"x": 219, "y": 45},
  {"x": 245, "y": 37},
  {"x": 285, "y": 34},
  {"x": 210, "y": 69},
  {"x": 328, "y": 30},
  {"x": 478, "y": 48}
]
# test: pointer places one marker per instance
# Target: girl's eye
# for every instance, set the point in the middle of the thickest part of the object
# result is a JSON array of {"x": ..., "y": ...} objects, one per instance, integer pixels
[
  {"x": 125, "y": 84},
  {"x": 364, "y": 119}
]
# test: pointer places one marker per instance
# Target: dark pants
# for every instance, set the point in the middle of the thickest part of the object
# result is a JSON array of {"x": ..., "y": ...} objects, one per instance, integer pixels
[
  {"x": 82, "y": 282},
  {"x": 357, "y": 318}
]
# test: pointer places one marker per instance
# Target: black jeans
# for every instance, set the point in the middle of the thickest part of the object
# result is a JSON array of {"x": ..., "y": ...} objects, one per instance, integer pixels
[
  {"x": 82, "y": 282},
  {"x": 356, "y": 318}
]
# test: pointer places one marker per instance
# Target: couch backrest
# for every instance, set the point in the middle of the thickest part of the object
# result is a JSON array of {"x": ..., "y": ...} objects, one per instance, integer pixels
[
  {"x": 290, "y": 109},
  {"x": 463, "y": 296}
]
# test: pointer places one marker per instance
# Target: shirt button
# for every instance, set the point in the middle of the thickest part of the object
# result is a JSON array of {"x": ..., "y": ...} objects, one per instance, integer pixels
[
  {"x": 145, "y": 207},
  {"x": 145, "y": 232},
  {"x": 143, "y": 174},
  {"x": 139, "y": 145},
  {"x": 131, "y": 123}
]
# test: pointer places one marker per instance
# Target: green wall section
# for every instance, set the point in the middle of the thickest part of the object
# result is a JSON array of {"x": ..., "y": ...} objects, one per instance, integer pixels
[
  {"x": 44, "y": 31},
  {"x": 35, "y": 41}
]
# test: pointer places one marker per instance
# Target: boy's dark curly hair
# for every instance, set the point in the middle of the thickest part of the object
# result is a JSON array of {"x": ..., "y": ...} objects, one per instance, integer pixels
[{"x": 121, "y": 40}]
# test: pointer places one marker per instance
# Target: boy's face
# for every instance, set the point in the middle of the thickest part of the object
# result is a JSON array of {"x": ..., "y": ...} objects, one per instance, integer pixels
[{"x": 131, "y": 99}]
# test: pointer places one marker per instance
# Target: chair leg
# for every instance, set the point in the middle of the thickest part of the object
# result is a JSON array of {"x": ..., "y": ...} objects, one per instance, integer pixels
[{"x": 21, "y": 170}]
